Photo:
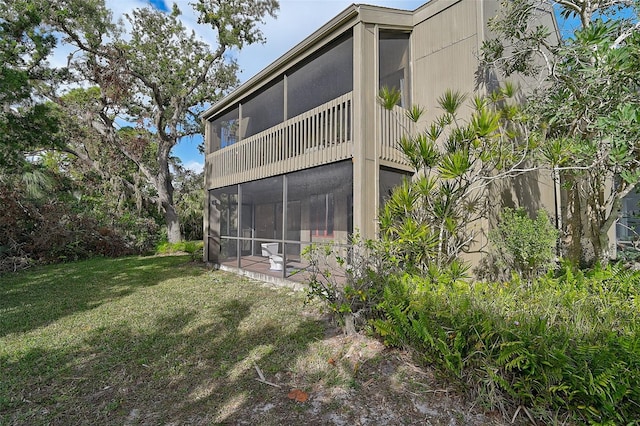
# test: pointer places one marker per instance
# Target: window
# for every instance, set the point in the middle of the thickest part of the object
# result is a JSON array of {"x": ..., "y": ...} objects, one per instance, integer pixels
[
  {"x": 628, "y": 226},
  {"x": 322, "y": 199},
  {"x": 393, "y": 50},
  {"x": 390, "y": 179},
  {"x": 224, "y": 130},
  {"x": 321, "y": 215},
  {"x": 228, "y": 133},
  {"x": 263, "y": 110}
]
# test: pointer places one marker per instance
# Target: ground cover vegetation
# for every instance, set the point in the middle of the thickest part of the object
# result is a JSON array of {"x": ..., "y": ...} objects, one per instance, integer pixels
[
  {"x": 162, "y": 340},
  {"x": 555, "y": 345},
  {"x": 551, "y": 331}
]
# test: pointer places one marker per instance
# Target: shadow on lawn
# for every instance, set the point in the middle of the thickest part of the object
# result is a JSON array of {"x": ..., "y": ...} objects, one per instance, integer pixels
[
  {"x": 38, "y": 297},
  {"x": 182, "y": 371}
]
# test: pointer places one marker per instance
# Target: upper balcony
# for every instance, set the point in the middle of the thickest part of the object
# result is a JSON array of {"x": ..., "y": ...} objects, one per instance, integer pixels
[
  {"x": 304, "y": 113},
  {"x": 322, "y": 135}
]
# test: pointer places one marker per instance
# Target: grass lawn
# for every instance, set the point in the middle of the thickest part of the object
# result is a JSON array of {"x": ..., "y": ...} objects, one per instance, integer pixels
[
  {"x": 160, "y": 340},
  {"x": 101, "y": 340}
]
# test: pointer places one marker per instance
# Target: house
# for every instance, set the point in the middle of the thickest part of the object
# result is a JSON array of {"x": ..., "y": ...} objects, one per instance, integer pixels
[{"x": 303, "y": 153}]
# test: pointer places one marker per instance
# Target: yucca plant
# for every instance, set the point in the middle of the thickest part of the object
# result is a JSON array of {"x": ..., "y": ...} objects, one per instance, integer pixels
[{"x": 454, "y": 160}]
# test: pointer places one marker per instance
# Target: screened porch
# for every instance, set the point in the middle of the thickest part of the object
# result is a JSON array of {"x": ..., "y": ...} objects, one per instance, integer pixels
[{"x": 266, "y": 224}]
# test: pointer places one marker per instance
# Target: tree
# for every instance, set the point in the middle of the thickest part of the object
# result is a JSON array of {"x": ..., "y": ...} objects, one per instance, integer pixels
[
  {"x": 157, "y": 75},
  {"x": 586, "y": 106},
  {"x": 25, "y": 126},
  {"x": 190, "y": 201}
]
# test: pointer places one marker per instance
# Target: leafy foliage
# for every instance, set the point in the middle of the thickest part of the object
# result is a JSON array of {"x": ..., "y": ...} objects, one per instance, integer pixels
[
  {"x": 189, "y": 198},
  {"x": 349, "y": 281},
  {"x": 585, "y": 108},
  {"x": 192, "y": 248},
  {"x": 431, "y": 218},
  {"x": 524, "y": 245},
  {"x": 154, "y": 73},
  {"x": 564, "y": 345},
  {"x": 25, "y": 126}
]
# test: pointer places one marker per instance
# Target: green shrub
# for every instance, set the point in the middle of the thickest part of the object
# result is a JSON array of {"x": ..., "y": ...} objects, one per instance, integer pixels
[
  {"x": 430, "y": 218},
  {"x": 568, "y": 344},
  {"x": 349, "y": 281},
  {"x": 524, "y": 245},
  {"x": 193, "y": 248}
]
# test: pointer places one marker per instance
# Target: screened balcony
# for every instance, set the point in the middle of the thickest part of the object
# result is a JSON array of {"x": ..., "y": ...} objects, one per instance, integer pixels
[
  {"x": 284, "y": 156},
  {"x": 320, "y": 136}
]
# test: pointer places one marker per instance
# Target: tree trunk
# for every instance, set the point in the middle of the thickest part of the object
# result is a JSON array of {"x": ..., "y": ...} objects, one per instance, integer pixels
[
  {"x": 593, "y": 251},
  {"x": 349, "y": 324},
  {"x": 614, "y": 215},
  {"x": 165, "y": 196},
  {"x": 571, "y": 240},
  {"x": 173, "y": 224}
]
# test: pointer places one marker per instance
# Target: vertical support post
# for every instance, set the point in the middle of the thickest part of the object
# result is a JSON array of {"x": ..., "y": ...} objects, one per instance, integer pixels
[
  {"x": 285, "y": 202},
  {"x": 286, "y": 100},
  {"x": 238, "y": 231},
  {"x": 212, "y": 242},
  {"x": 365, "y": 174},
  {"x": 253, "y": 230},
  {"x": 241, "y": 127}
]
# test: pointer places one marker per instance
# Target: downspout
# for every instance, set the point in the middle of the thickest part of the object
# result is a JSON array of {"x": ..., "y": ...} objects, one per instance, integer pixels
[
  {"x": 555, "y": 175},
  {"x": 376, "y": 130}
]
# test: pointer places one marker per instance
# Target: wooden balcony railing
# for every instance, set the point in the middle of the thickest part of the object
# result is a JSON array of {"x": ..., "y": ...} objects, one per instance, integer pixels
[
  {"x": 319, "y": 136},
  {"x": 393, "y": 125}
]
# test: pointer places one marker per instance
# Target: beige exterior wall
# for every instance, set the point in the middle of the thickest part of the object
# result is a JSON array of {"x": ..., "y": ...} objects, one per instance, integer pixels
[{"x": 446, "y": 42}]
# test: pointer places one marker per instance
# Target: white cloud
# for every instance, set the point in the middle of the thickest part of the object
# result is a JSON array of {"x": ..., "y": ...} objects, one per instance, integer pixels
[{"x": 194, "y": 166}]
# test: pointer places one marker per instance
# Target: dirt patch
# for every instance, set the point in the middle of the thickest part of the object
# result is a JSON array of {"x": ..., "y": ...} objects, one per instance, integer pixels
[{"x": 355, "y": 380}]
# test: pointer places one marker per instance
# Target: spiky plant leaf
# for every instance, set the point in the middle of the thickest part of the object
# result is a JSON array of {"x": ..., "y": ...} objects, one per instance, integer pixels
[
  {"x": 451, "y": 101},
  {"x": 427, "y": 150},
  {"x": 389, "y": 97},
  {"x": 485, "y": 122},
  {"x": 426, "y": 185},
  {"x": 434, "y": 131},
  {"x": 509, "y": 89},
  {"x": 414, "y": 113},
  {"x": 454, "y": 164},
  {"x": 409, "y": 148}
]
